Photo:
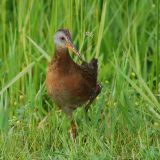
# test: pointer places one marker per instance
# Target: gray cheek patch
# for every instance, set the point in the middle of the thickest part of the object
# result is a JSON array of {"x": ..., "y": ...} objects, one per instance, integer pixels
[{"x": 57, "y": 40}]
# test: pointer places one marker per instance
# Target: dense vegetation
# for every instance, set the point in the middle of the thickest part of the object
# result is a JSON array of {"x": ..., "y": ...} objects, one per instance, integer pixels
[{"x": 125, "y": 118}]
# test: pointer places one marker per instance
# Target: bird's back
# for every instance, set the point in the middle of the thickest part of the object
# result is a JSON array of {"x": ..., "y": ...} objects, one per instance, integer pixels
[{"x": 89, "y": 71}]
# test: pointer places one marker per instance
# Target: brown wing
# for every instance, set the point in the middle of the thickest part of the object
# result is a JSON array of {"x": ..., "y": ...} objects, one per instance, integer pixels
[{"x": 89, "y": 71}]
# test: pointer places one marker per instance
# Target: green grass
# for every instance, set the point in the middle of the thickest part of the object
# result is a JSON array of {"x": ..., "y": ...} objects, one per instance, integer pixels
[{"x": 125, "y": 118}]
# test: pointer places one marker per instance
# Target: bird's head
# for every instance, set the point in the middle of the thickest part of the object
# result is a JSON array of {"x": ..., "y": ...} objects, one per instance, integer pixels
[{"x": 62, "y": 39}]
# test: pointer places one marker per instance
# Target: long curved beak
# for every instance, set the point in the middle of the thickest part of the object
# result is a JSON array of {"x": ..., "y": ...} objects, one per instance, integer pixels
[{"x": 70, "y": 45}]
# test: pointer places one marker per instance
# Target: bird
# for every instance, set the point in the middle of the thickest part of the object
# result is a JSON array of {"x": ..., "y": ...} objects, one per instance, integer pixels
[{"x": 71, "y": 85}]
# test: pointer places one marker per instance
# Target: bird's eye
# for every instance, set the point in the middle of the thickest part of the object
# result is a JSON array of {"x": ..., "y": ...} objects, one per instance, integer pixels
[{"x": 62, "y": 38}]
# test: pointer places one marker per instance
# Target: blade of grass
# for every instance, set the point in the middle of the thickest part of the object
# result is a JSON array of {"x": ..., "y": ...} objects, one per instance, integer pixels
[
  {"x": 40, "y": 49},
  {"x": 19, "y": 75},
  {"x": 101, "y": 30},
  {"x": 140, "y": 91}
]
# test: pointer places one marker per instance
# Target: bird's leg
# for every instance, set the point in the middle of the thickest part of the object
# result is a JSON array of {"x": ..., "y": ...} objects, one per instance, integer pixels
[
  {"x": 72, "y": 130},
  {"x": 95, "y": 93}
]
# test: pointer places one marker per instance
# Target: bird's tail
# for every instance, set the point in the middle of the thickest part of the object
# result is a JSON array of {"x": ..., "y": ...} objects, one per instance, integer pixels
[
  {"x": 94, "y": 64},
  {"x": 91, "y": 68}
]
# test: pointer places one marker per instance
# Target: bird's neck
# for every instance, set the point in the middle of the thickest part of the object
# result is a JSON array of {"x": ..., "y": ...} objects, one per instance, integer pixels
[
  {"x": 62, "y": 54},
  {"x": 62, "y": 59}
]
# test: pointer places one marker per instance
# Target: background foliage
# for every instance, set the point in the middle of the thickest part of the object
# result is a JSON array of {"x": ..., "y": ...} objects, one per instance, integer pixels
[{"x": 125, "y": 118}]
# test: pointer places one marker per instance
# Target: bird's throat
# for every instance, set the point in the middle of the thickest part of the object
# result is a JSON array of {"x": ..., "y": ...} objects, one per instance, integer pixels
[
  {"x": 62, "y": 55},
  {"x": 62, "y": 60}
]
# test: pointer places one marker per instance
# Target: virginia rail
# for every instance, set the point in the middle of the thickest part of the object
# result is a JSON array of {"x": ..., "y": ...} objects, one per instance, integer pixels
[{"x": 68, "y": 84}]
